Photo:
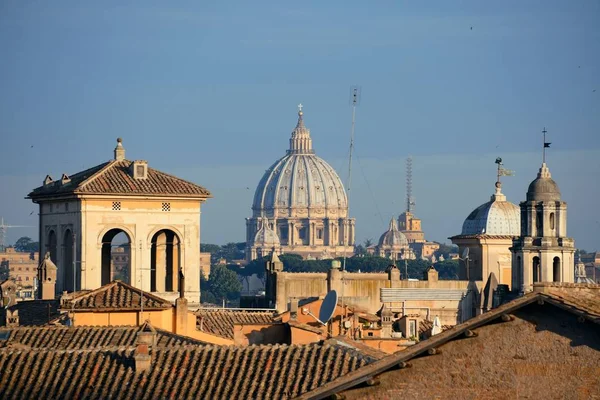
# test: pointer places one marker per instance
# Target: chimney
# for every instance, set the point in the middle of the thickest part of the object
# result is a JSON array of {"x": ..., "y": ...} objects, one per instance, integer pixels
[
  {"x": 12, "y": 318},
  {"x": 181, "y": 308},
  {"x": 47, "y": 278},
  {"x": 139, "y": 169},
  {"x": 293, "y": 308},
  {"x": 146, "y": 339},
  {"x": 119, "y": 150},
  {"x": 431, "y": 274}
]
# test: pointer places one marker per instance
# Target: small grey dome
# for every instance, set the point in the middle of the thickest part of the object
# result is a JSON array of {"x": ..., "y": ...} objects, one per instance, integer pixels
[
  {"x": 543, "y": 188},
  {"x": 393, "y": 237},
  {"x": 266, "y": 237}
]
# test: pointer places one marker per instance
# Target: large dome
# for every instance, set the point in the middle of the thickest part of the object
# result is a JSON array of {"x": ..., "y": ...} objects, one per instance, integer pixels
[
  {"x": 299, "y": 180},
  {"x": 543, "y": 188},
  {"x": 496, "y": 217}
]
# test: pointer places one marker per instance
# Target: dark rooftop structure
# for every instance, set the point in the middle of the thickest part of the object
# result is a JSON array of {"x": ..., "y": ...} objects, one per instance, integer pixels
[{"x": 545, "y": 344}]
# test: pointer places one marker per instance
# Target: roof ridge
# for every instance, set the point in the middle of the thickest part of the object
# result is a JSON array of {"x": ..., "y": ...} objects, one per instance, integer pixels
[
  {"x": 208, "y": 194},
  {"x": 95, "y": 175}
]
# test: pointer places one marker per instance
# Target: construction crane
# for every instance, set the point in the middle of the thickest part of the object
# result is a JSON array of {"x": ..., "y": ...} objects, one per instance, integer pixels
[{"x": 3, "y": 229}]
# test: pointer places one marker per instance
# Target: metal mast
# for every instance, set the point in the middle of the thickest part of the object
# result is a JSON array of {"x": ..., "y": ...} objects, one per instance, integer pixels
[
  {"x": 354, "y": 101},
  {"x": 410, "y": 201},
  {"x": 3, "y": 229}
]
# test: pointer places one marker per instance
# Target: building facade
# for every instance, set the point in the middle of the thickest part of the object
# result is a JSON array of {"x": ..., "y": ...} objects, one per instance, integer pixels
[
  {"x": 543, "y": 252},
  {"x": 153, "y": 216},
  {"x": 300, "y": 206}
]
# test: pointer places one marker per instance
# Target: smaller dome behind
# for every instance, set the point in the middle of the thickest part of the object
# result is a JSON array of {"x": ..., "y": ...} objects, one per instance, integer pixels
[
  {"x": 393, "y": 237},
  {"x": 266, "y": 237}
]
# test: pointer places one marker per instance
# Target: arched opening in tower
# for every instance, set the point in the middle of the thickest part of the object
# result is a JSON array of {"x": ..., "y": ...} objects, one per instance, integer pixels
[
  {"x": 116, "y": 256},
  {"x": 537, "y": 270},
  {"x": 68, "y": 268},
  {"x": 556, "y": 269},
  {"x": 164, "y": 261},
  {"x": 51, "y": 246}
]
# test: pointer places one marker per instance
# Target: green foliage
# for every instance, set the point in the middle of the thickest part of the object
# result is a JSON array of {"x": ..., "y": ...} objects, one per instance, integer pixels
[
  {"x": 222, "y": 284},
  {"x": 231, "y": 251},
  {"x": 447, "y": 269},
  {"x": 26, "y": 244},
  {"x": 446, "y": 249},
  {"x": 253, "y": 267}
]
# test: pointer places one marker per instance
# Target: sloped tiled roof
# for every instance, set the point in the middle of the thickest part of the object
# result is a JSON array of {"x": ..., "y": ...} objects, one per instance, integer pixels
[
  {"x": 84, "y": 337},
  {"x": 116, "y": 295},
  {"x": 33, "y": 312},
  {"x": 215, "y": 372},
  {"x": 220, "y": 322},
  {"x": 113, "y": 178}
]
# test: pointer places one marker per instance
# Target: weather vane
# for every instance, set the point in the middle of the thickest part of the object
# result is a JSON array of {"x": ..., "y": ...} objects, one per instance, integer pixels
[
  {"x": 546, "y": 145},
  {"x": 502, "y": 171}
]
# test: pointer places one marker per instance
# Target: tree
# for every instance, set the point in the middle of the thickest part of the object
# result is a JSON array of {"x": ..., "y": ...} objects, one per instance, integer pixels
[
  {"x": 26, "y": 244},
  {"x": 368, "y": 243},
  {"x": 223, "y": 283}
]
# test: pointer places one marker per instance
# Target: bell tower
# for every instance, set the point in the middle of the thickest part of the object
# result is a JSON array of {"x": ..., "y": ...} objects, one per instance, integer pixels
[{"x": 543, "y": 252}]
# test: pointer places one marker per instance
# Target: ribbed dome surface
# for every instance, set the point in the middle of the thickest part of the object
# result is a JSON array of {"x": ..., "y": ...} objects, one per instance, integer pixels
[
  {"x": 496, "y": 217},
  {"x": 393, "y": 237},
  {"x": 300, "y": 179}
]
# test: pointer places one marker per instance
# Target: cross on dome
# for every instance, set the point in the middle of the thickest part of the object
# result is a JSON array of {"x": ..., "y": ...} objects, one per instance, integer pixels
[{"x": 300, "y": 107}]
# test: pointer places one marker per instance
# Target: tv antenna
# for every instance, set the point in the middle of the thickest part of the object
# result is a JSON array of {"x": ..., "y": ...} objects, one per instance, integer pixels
[
  {"x": 354, "y": 102},
  {"x": 327, "y": 308},
  {"x": 4, "y": 228},
  {"x": 410, "y": 201}
]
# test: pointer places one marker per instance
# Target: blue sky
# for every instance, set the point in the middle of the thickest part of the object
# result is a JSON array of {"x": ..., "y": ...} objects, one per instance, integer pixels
[{"x": 208, "y": 90}]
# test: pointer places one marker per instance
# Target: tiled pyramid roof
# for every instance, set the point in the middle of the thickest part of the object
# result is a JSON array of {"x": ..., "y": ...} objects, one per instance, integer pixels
[
  {"x": 114, "y": 178},
  {"x": 116, "y": 295},
  {"x": 202, "y": 372},
  {"x": 220, "y": 322}
]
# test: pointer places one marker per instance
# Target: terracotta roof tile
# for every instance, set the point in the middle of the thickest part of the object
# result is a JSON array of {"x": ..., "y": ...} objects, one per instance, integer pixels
[
  {"x": 33, "y": 312},
  {"x": 215, "y": 372},
  {"x": 220, "y": 322},
  {"x": 114, "y": 178},
  {"x": 115, "y": 295},
  {"x": 83, "y": 337}
]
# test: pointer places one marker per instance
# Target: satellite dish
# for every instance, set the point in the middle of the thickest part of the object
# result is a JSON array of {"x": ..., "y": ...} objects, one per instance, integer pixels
[
  {"x": 465, "y": 253},
  {"x": 328, "y": 307}
]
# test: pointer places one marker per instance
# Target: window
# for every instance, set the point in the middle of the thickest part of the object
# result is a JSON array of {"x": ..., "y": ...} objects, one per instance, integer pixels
[
  {"x": 369, "y": 333},
  {"x": 319, "y": 233},
  {"x": 552, "y": 221},
  {"x": 412, "y": 328},
  {"x": 66, "y": 206},
  {"x": 116, "y": 206},
  {"x": 26, "y": 278},
  {"x": 283, "y": 232},
  {"x": 166, "y": 206},
  {"x": 302, "y": 233}
]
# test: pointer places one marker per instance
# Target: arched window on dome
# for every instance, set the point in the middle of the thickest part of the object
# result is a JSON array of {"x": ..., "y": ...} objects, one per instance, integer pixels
[{"x": 552, "y": 221}]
